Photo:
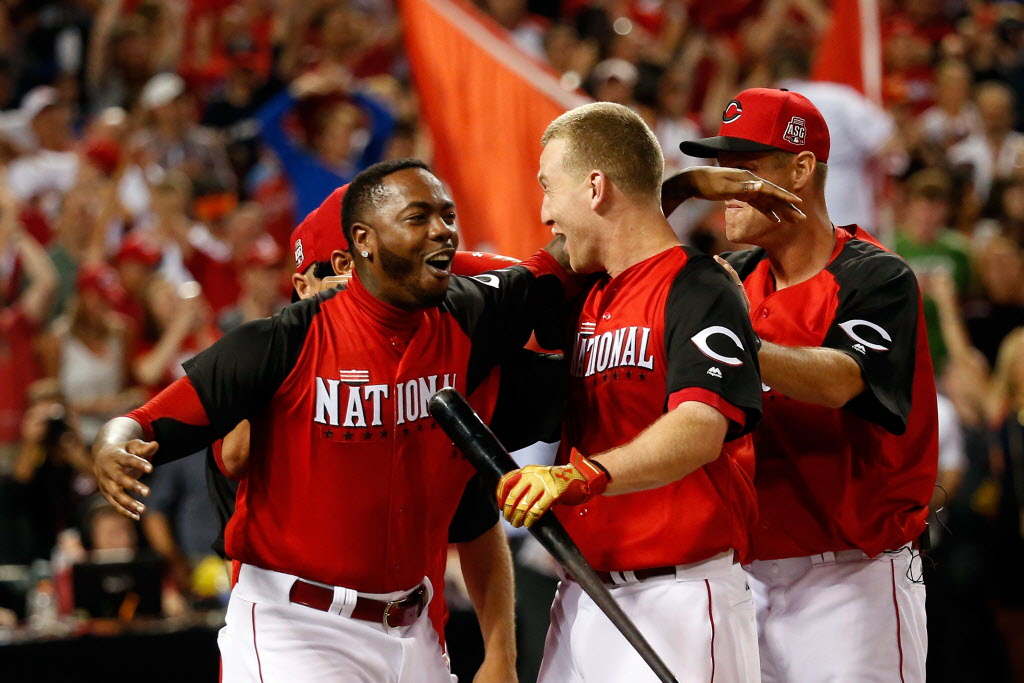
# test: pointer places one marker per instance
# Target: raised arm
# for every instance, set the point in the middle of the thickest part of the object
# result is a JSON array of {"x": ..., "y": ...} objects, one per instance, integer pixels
[
  {"x": 42, "y": 275},
  {"x": 719, "y": 184},
  {"x": 382, "y": 125}
]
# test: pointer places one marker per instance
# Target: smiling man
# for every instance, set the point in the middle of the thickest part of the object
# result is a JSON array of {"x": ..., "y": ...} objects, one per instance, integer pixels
[
  {"x": 663, "y": 393},
  {"x": 351, "y": 486}
]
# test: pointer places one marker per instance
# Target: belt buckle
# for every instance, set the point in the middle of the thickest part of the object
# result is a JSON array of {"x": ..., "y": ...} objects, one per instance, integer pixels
[
  {"x": 387, "y": 613},
  {"x": 416, "y": 594}
]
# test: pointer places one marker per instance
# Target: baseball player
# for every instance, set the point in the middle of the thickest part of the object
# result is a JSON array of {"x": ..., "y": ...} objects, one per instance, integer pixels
[
  {"x": 847, "y": 448},
  {"x": 350, "y": 487},
  {"x": 528, "y": 405},
  {"x": 664, "y": 390}
]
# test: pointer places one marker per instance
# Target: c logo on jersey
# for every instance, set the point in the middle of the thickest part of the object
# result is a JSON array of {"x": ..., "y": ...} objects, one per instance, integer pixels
[
  {"x": 733, "y": 111},
  {"x": 850, "y": 325},
  {"x": 701, "y": 340},
  {"x": 487, "y": 279}
]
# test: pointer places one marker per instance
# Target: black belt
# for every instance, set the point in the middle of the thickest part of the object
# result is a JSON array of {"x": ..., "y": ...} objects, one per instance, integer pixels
[
  {"x": 403, "y": 612},
  {"x": 638, "y": 574}
]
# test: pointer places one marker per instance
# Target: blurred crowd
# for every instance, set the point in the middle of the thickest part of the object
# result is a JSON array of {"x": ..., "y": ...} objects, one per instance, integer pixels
[{"x": 156, "y": 155}]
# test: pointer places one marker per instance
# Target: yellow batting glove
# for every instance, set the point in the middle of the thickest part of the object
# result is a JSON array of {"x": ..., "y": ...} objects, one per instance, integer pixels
[{"x": 526, "y": 494}]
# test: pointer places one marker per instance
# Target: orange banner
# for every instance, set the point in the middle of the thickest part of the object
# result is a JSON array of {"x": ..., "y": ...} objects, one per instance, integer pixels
[
  {"x": 850, "y": 52},
  {"x": 486, "y": 105}
]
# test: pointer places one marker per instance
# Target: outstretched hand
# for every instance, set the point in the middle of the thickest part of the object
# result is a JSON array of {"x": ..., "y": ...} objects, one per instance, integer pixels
[
  {"x": 718, "y": 184},
  {"x": 118, "y": 467}
]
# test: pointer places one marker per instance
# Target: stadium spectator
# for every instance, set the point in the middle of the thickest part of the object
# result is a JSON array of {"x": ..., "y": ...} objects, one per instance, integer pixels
[{"x": 335, "y": 157}]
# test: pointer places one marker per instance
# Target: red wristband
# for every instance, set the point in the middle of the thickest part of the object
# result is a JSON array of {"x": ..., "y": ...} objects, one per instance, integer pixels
[{"x": 597, "y": 477}]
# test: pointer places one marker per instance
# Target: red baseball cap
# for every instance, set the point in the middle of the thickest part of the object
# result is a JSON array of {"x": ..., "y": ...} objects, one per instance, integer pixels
[
  {"x": 766, "y": 120},
  {"x": 320, "y": 233}
]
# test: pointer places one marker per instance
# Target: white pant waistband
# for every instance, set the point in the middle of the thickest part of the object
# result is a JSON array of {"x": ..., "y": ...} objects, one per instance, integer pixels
[
  {"x": 834, "y": 557},
  {"x": 259, "y": 585},
  {"x": 713, "y": 567}
]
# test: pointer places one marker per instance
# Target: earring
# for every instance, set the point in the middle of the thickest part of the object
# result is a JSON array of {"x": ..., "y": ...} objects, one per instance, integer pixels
[{"x": 364, "y": 254}]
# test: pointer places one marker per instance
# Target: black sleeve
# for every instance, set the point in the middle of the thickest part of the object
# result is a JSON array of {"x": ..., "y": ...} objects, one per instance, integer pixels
[
  {"x": 531, "y": 399},
  {"x": 711, "y": 346},
  {"x": 239, "y": 375},
  {"x": 876, "y": 324},
  {"x": 476, "y": 514},
  {"x": 498, "y": 310}
]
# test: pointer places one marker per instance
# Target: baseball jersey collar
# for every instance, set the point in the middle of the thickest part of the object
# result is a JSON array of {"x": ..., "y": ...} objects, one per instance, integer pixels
[{"x": 388, "y": 317}]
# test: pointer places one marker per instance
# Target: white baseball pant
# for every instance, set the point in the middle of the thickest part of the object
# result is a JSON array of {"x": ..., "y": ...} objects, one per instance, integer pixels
[
  {"x": 268, "y": 638},
  {"x": 841, "y": 617},
  {"x": 700, "y": 622}
]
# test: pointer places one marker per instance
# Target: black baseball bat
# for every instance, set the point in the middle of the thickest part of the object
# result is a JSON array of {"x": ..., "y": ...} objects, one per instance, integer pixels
[{"x": 492, "y": 461}]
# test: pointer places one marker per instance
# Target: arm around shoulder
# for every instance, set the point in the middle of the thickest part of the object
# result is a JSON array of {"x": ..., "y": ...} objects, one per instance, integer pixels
[{"x": 817, "y": 375}]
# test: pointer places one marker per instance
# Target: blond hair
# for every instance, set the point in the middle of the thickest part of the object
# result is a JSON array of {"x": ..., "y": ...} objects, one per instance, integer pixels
[{"x": 611, "y": 138}]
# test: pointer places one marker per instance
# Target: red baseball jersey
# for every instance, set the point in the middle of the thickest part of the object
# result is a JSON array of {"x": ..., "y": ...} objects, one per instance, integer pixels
[
  {"x": 860, "y": 476},
  {"x": 667, "y": 330},
  {"x": 350, "y": 481}
]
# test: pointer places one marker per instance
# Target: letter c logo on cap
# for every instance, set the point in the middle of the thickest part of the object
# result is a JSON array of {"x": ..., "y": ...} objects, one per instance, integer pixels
[{"x": 733, "y": 111}]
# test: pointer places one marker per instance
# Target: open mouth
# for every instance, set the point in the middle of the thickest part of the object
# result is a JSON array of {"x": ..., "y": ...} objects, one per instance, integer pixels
[{"x": 440, "y": 263}]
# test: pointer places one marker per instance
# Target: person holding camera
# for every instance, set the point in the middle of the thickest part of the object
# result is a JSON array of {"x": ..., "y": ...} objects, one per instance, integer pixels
[{"x": 50, "y": 476}]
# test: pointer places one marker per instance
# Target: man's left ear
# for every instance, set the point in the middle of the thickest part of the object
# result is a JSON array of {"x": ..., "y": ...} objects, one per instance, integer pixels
[{"x": 803, "y": 170}]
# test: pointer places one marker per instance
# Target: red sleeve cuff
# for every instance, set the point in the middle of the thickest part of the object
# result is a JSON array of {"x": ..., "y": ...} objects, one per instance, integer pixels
[
  {"x": 179, "y": 402},
  {"x": 710, "y": 398},
  {"x": 141, "y": 416}
]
